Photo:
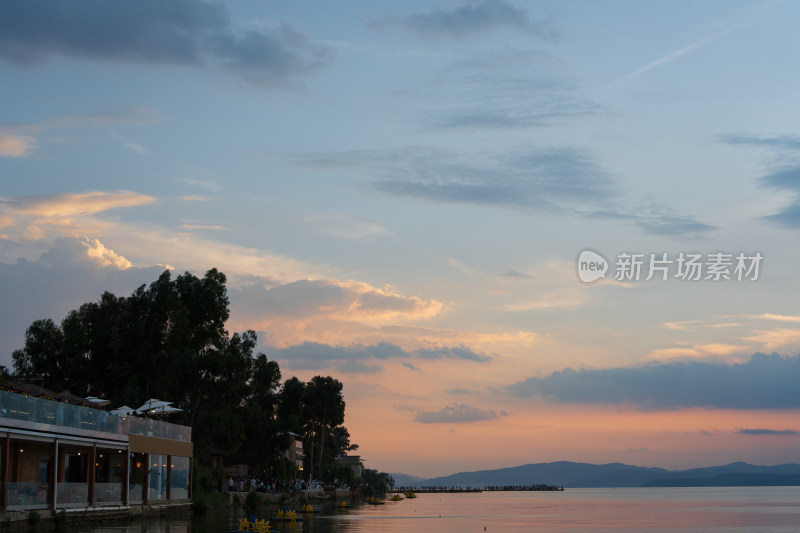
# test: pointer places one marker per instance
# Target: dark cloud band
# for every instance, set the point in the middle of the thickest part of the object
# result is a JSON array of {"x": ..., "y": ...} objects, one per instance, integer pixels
[
  {"x": 764, "y": 382},
  {"x": 184, "y": 32},
  {"x": 466, "y": 20}
]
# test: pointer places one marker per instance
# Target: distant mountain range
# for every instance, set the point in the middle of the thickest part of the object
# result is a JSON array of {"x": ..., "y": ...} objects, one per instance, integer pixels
[{"x": 575, "y": 475}]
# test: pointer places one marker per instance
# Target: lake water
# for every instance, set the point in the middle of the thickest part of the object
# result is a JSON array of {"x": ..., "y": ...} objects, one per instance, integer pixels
[{"x": 729, "y": 510}]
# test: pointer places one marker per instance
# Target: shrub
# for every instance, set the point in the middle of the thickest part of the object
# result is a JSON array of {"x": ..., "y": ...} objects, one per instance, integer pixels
[
  {"x": 34, "y": 518},
  {"x": 60, "y": 519},
  {"x": 251, "y": 501}
]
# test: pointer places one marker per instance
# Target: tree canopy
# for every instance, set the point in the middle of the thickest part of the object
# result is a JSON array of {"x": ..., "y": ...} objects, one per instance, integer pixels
[{"x": 168, "y": 340}]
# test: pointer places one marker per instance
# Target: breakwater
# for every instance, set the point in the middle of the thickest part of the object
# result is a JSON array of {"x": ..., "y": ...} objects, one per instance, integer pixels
[{"x": 487, "y": 488}]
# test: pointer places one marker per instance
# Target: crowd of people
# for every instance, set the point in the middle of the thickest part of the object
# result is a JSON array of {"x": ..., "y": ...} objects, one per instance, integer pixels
[{"x": 272, "y": 487}]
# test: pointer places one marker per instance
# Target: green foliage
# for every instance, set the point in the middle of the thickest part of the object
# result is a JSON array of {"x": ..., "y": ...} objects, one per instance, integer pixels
[
  {"x": 341, "y": 441},
  {"x": 199, "y": 506},
  {"x": 290, "y": 405},
  {"x": 378, "y": 482},
  {"x": 251, "y": 501},
  {"x": 282, "y": 470},
  {"x": 60, "y": 519},
  {"x": 264, "y": 442},
  {"x": 342, "y": 474},
  {"x": 204, "y": 495},
  {"x": 168, "y": 340},
  {"x": 34, "y": 518},
  {"x": 202, "y": 501},
  {"x": 323, "y": 411},
  {"x": 203, "y": 480}
]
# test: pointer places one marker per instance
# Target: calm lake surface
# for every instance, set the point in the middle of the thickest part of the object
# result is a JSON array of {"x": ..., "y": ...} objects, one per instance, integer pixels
[{"x": 734, "y": 509}]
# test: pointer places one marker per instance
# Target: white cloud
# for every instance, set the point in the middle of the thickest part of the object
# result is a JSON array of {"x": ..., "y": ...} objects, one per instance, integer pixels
[{"x": 105, "y": 257}]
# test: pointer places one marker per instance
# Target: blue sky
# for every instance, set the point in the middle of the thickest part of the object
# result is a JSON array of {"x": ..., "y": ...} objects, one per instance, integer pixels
[{"x": 398, "y": 194}]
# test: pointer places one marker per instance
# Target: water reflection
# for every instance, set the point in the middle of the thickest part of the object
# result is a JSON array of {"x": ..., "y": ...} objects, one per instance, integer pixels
[{"x": 744, "y": 510}]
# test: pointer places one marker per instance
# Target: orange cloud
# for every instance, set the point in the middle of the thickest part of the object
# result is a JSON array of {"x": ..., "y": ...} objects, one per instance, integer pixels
[
  {"x": 38, "y": 218},
  {"x": 698, "y": 324},
  {"x": 700, "y": 351},
  {"x": 325, "y": 310},
  {"x": 775, "y": 317},
  {"x": 16, "y": 145},
  {"x": 775, "y": 339},
  {"x": 89, "y": 203}
]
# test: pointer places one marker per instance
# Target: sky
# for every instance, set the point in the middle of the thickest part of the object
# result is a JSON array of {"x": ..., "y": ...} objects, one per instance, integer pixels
[{"x": 452, "y": 207}]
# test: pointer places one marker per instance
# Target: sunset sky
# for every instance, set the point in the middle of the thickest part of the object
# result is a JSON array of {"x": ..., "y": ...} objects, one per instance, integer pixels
[{"x": 398, "y": 193}]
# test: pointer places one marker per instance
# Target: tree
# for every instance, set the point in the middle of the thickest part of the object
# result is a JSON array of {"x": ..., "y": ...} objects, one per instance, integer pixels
[
  {"x": 377, "y": 482},
  {"x": 265, "y": 443},
  {"x": 341, "y": 441},
  {"x": 168, "y": 340},
  {"x": 324, "y": 410},
  {"x": 42, "y": 354},
  {"x": 219, "y": 402},
  {"x": 290, "y": 405}
]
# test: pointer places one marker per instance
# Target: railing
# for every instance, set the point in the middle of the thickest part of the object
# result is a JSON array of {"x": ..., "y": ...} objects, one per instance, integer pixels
[
  {"x": 108, "y": 493},
  {"x": 27, "y": 494},
  {"x": 156, "y": 428},
  {"x": 40, "y": 411},
  {"x": 72, "y": 493},
  {"x": 135, "y": 492}
]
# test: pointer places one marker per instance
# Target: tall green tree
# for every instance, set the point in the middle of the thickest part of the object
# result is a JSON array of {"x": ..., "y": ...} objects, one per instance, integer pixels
[
  {"x": 218, "y": 405},
  {"x": 168, "y": 340},
  {"x": 43, "y": 350},
  {"x": 324, "y": 408},
  {"x": 290, "y": 405},
  {"x": 264, "y": 443}
]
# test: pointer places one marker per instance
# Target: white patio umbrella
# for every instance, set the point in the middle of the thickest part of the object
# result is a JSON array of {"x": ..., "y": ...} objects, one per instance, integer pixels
[
  {"x": 100, "y": 402},
  {"x": 123, "y": 411},
  {"x": 168, "y": 409},
  {"x": 152, "y": 403},
  {"x": 154, "y": 406}
]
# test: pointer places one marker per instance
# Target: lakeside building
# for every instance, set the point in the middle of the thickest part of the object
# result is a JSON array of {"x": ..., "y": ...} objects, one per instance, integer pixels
[
  {"x": 56, "y": 455},
  {"x": 295, "y": 451},
  {"x": 353, "y": 462}
]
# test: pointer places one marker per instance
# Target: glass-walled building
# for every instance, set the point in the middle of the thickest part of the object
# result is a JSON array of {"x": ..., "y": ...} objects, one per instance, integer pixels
[{"x": 55, "y": 455}]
